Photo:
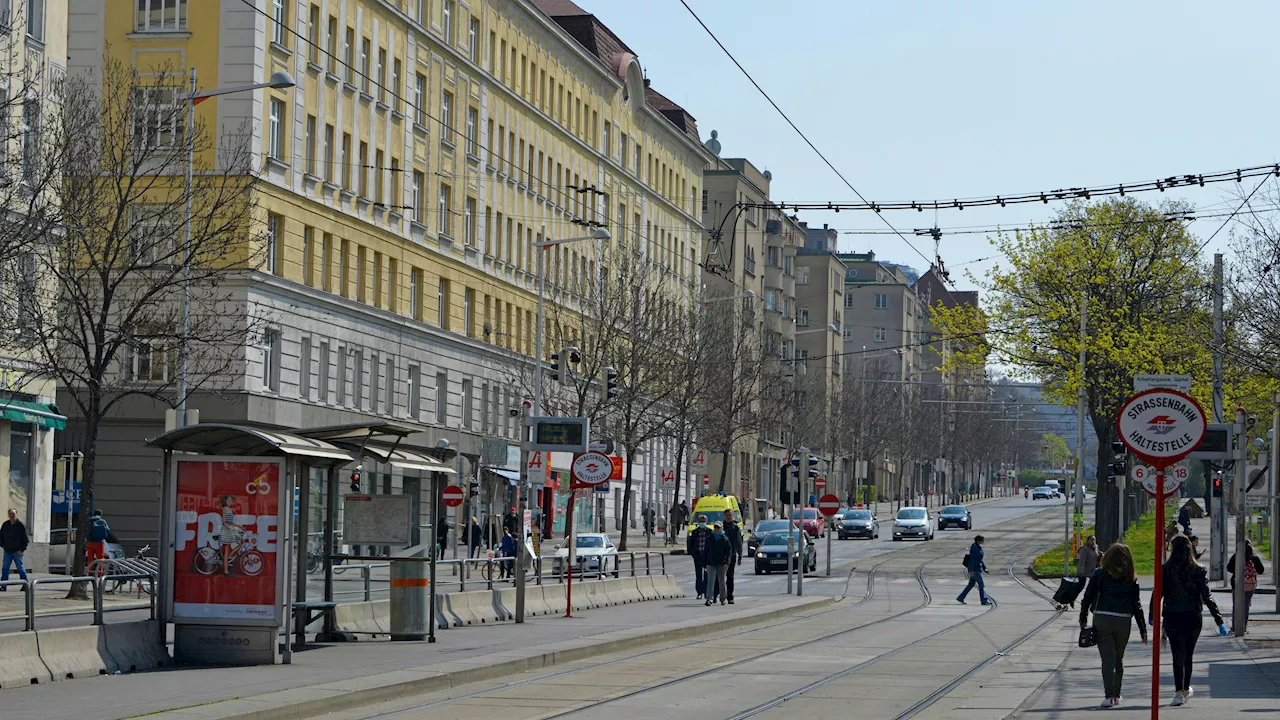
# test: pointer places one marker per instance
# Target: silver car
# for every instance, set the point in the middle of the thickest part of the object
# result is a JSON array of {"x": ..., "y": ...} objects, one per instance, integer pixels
[{"x": 913, "y": 522}]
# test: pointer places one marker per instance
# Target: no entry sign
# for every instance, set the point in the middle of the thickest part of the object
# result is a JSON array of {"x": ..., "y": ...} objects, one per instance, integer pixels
[
  {"x": 452, "y": 496},
  {"x": 820, "y": 483},
  {"x": 828, "y": 504}
]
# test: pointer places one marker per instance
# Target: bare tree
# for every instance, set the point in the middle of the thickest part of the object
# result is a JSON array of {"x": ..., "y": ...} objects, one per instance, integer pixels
[
  {"x": 108, "y": 322},
  {"x": 740, "y": 371}
]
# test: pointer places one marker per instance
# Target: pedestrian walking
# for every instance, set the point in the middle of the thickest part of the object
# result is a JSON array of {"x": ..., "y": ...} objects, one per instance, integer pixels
[
  {"x": 474, "y": 537},
  {"x": 1252, "y": 569},
  {"x": 1186, "y": 593},
  {"x": 508, "y": 550},
  {"x": 734, "y": 534},
  {"x": 100, "y": 533},
  {"x": 696, "y": 546},
  {"x": 1195, "y": 547},
  {"x": 1087, "y": 558},
  {"x": 719, "y": 555},
  {"x": 974, "y": 567},
  {"x": 14, "y": 540},
  {"x": 1184, "y": 518},
  {"x": 1112, "y": 597}
]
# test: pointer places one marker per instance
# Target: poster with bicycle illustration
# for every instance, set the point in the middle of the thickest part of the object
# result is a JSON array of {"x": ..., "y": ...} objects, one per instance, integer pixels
[{"x": 227, "y": 536}]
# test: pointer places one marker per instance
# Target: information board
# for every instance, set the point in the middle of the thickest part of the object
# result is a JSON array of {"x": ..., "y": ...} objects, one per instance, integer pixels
[{"x": 377, "y": 520}]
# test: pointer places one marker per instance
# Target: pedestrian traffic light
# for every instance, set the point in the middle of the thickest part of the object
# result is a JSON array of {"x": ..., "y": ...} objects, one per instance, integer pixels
[
  {"x": 1217, "y": 487},
  {"x": 611, "y": 383},
  {"x": 1118, "y": 468}
]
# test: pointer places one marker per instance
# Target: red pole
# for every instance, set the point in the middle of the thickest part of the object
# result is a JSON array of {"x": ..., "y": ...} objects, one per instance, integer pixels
[
  {"x": 568, "y": 525},
  {"x": 1156, "y": 594}
]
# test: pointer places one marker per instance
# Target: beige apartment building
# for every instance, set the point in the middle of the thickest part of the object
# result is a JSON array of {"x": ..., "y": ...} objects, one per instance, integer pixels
[{"x": 820, "y": 313}]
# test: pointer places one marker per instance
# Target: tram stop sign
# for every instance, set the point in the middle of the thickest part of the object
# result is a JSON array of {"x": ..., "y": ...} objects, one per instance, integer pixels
[
  {"x": 452, "y": 496},
  {"x": 1161, "y": 426},
  {"x": 828, "y": 505}
]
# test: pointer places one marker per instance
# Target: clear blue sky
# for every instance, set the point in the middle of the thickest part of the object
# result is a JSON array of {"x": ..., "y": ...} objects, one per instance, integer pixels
[{"x": 925, "y": 100}]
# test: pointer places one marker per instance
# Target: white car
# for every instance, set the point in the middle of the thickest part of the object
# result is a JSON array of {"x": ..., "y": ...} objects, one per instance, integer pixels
[{"x": 596, "y": 553}]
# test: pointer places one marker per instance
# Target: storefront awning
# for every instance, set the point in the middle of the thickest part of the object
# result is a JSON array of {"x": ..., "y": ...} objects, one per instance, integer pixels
[
  {"x": 410, "y": 460},
  {"x": 512, "y": 477},
  {"x": 38, "y": 414}
]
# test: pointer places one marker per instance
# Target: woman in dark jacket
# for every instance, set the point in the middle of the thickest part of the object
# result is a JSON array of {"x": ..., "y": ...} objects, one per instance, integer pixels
[
  {"x": 1112, "y": 596},
  {"x": 1186, "y": 593}
]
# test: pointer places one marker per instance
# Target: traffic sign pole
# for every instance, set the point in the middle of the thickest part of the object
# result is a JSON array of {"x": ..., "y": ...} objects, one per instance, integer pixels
[{"x": 829, "y": 505}]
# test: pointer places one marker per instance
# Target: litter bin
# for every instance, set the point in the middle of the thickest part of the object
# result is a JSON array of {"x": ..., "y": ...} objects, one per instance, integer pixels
[{"x": 410, "y": 593}]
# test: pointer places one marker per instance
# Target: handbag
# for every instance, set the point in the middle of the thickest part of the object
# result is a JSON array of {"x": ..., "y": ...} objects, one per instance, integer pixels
[{"x": 1088, "y": 637}]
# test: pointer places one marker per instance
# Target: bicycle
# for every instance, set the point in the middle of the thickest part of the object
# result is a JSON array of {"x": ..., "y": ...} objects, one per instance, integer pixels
[{"x": 244, "y": 557}]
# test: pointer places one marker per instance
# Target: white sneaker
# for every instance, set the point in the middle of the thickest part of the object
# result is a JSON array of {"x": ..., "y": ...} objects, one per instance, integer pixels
[
  {"x": 1178, "y": 699},
  {"x": 1108, "y": 703},
  {"x": 1117, "y": 701},
  {"x": 1190, "y": 691}
]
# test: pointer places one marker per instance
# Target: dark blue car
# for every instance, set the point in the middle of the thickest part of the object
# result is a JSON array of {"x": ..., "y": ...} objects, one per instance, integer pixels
[{"x": 956, "y": 516}]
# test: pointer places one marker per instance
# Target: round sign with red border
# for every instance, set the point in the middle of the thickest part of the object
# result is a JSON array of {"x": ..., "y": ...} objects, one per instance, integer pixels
[
  {"x": 1161, "y": 426},
  {"x": 820, "y": 483},
  {"x": 592, "y": 468},
  {"x": 828, "y": 504},
  {"x": 452, "y": 496}
]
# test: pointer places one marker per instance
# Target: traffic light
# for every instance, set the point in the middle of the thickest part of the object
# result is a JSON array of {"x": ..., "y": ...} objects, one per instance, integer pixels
[
  {"x": 1217, "y": 487},
  {"x": 1118, "y": 466},
  {"x": 788, "y": 488},
  {"x": 611, "y": 383},
  {"x": 555, "y": 367},
  {"x": 355, "y": 478},
  {"x": 474, "y": 490}
]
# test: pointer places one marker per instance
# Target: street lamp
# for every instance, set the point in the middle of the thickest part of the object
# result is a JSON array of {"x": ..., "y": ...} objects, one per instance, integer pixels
[
  {"x": 278, "y": 81},
  {"x": 597, "y": 234}
]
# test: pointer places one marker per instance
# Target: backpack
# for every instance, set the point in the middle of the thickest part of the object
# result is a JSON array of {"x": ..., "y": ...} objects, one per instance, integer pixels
[
  {"x": 1250, "y": 576},
  {"x": 98, "y": 530}
]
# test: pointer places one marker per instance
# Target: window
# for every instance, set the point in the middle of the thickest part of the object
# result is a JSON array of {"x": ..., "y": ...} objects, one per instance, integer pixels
[
  {"x": 802, "y": 274},
  {"x": 802, "y": 317},
  {"x": 280, "y": 15},
  {"x": 331, "y": 45},
  {"x": 468, "y": 307},
  {"x": 882, "y": 301},
  {"x": 308, "y": 249},
  {"x": 881, "y": 335},
  {"x": 364, "y": 65},
  {"x": 848, "y": 300},
  {"x": 150, "y": 360},
  {"x": 377, "y": 177},
  {"x": 419, "y": 207},
  {"x": 160, "y": 15},
  {"x": 446, "y": 20},
  {"x": 313, "y": 35},
  {"x": 770, "y": 299},
  {"x": 419, "y": 99},
  {"x": 311, "y": 144},
  {"x": 772, "y": 255},
  {"x": 442, "y": 304},
  {"x": 375, "y": 384},
  {"x": 322, "y": 389},
  {"x": 304, "y": 369},
  {"x": 622, "y": 148},
  {"x": 467, "y": 410},
  {"x": 608, "y": 139},
  {"x": 415, "y": 293},
  {"x": 348, "y": 56},
  {"x": 363, "y": 169},
  {"x": 442, "y": 397},
  {"x": 446, "y": 114},
  {"x": 272, "y": 242},
  {"x": 35, "y": 20},
  {"x": 346, "y": 161},
  {"x": 326, "y": 258},
  {"x": 328, "y": 153},
  {"x": 155, "y": 232},
  {"x": 275, "y": 149},
  {"x": 395, "y": 85},
  {"x": 390, "y": 400},
  {"x": 157, "y": 117},
  {"x": 473, "y": 40},
  {"x": 469, "y": 218},
  {"x": 415, "y": 391},
  {"x": 421, "y": 15},
  {"x": 357, "y": 378},
  {"x": 382, "y": 75},
  {"x": 344, "y": 267},
  {"x": 473, "y": 126},
  {"x": 846, "y": 333},
  {"x": 445, "y": 225},
  {"x": 271, "y": 360}
]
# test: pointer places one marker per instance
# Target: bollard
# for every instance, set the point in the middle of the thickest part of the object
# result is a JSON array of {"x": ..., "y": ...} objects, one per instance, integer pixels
[
  {"x": 489, "y": 563},
  {"x": 647, "y": 570},
  {"x": 462, "y": 578},
  {"x": 365, "y": 574},
  {"x": 410, "y": 588}
]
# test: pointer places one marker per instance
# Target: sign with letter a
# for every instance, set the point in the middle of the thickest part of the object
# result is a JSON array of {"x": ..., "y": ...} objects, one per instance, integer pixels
[{"x": 538, "y": 466}]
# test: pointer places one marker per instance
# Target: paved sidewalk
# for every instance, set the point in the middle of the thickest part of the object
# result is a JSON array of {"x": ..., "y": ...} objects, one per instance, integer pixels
[{"x": 339, "y": 670}]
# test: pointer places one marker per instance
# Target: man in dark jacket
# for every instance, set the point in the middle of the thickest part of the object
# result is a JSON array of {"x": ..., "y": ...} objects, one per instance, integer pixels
[
  {"x": 734, "y": 534},
  {"x": 14, "y": 540},
  {"x": 974, "y": 567},
  {"x": 696, "y": 546},
  {"x": 719, "y": 556}
]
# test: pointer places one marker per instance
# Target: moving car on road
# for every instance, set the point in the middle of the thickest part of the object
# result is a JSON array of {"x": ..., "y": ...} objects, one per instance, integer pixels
[
  {"x": 913, "y": 522},
  {"x": 858, "y": 523},
  {"x": 1054, "y": 486},
  {"x": 956, "y": 516},
  {"x": 596, "y": 554},
  {"x": 812, "y": 522},
  {"x": 1042, "y": 493},
  {"x": 762, "y": 528},
  {"x": 772, "y": 553}
]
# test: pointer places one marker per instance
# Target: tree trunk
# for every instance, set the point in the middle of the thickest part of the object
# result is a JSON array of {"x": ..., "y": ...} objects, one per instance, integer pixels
[
  {"x": 80, "y": 590},
  {"x": 1107, "y": 500},
  {"x": 626, "y": 502},
  {"x": 724, "y": 469}
]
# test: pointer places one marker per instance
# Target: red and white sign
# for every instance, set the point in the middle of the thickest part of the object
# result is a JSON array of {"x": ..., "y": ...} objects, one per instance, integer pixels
[
  {"x": 820, "y": 483},
  {"x": 1173, "y": 478},
  {"x": 699, "y": 461},
  {"x": 452, "y": 496},
  {"x": 668, "y": 477},
  {"x": 617, "y": 467},
  {"x": 225, "y": 548},
  {"x": 828, "y": 504},
  {"x": 1161, "y": 426},
  {"x": 591, "y": 469},
  {"x": 539, "y": 467}
]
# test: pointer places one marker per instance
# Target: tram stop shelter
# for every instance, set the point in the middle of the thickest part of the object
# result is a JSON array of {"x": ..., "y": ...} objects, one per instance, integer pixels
[{"x": 234, "y": 527}]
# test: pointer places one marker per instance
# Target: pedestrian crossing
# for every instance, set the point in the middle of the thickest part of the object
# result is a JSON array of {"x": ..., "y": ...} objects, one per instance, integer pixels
[{"x": 953, "y": 581}]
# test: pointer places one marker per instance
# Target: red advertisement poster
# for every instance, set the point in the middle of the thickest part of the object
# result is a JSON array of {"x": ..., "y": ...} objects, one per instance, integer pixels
[{"x": 225, "y": 549}]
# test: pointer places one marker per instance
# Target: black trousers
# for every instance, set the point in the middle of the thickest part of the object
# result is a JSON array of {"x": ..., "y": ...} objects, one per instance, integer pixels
[
  {"x": 1183, "y": 629},
  {"x": 728, "y": 583}
]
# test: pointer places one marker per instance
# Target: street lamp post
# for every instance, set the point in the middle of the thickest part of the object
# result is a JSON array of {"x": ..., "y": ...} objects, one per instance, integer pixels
[
  {"x": 278, "y": 81},
  {"x": 804, "y": 466}
]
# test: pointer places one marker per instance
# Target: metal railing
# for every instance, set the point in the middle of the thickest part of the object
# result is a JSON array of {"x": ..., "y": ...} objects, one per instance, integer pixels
[{"x": 98, "y": 583}]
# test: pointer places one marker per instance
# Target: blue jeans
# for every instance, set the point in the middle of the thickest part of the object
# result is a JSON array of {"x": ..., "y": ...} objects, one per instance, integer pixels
[
  {"x": 975, "y": 578},
  {"x": 12, "y": 558},
  {"x": 700, "y": 576}
]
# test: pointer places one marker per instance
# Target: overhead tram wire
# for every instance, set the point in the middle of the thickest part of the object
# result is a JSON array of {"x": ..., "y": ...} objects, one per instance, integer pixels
[
  {"x": 1249, "y": 197},
  {"x": 795, "y": 127},
  {"x": 1188, "y": 216}
]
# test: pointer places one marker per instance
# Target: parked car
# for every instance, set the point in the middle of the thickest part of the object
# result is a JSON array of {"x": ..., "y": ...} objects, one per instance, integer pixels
[
  {"x": 771, "y": 556},
  {"x": 596, "y": 554},
  {"x": 913, "y": 522},
  {"x": 762, "y": 528},
  {"x": 811, "y": 521},
  {"x": 858, "y": 523},
  {"x": 956, "y": 516},
  {"x": 1042, "y": 493}
]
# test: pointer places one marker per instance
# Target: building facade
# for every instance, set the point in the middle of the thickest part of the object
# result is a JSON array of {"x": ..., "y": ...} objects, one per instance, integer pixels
[
  {"x": 820, "y": 287},
  {"x": 427, "y": 147},
  {"x": 33, "y": 64}
]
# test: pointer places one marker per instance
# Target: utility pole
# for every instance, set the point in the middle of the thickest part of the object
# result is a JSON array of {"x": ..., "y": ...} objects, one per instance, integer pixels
[
  {"x": 1240, "y": 613},
  {"x": 1218, "y": 514},
  {"x": 1275, "y": 490},
  {"x": 1081, "y": 398}
]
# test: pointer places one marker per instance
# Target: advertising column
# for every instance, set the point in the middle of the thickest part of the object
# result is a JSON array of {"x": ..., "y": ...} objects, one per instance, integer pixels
[{"x": 228, "y": 560}]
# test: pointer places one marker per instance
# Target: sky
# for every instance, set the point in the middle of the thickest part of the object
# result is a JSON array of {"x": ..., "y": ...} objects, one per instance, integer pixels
[{"x": 937, "y": 100}]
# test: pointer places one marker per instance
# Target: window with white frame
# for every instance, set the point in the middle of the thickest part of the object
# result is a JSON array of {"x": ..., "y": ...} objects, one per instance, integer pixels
[
  {"x": 364, "y": 65},
  {"x": 445, "y": 224},
  {"x": 446, "y": 114},
  {"x": 35, "y": 20},
  {"x": 158, "y": 15},
  {"x": 419, "y": 206},
  {"x": 311, "y": 144},
  {"x": 322, "y": 387},
  {"x": 414, "y": 391},
  {"x": 472, "y": 128},
  {"x": 304, "y": 369},
  {"x": 31, "y": 128},
  {"x": 275, "y": 120},
  {"x": 469, "y": 218},
  {"x": 467, "y": 409},
  {"x": 473, "y": 40},
  {"x": 396, "y": 95},
  {"x": 802, "y": 275},
  {"x": 271, "y": 360},
  {"x": 848, "y": 300},
  {"x": 770, "y": 299},
  {"x": 882, "y": 301},
  {"x": 280, "y": 16},
  {"x": 420, "y": 99},
  {"x": 272, "y": 242},
  {"x": 151, "y": 360},
  {"x": 382, "y": 75},
  {"x": 313, "y": 35},
  {"x": 881, "y": 334},
  {"x": 446, "y": 21},
  {"x": 442, "y": 397},
  {"x": 846, "y": 333},
  {"x": 154, "y": 233},
  {"x": 802, "y": 317},
  {"x": 157, "y": 117}
]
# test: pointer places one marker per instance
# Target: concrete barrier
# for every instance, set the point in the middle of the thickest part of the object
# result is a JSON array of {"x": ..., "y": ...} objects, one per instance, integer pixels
[
  {"x": 629, "y": 590},
  {"x": 596, "y": 592},
  {"x": 479, "y": 604},
  {"x": 72, "y": 652},
  {"x": 21, "y": 664},
  {"x": 668, "y": 582},
  {"x": 644, "y": 583},
  {"x": 369, "y": 619},
  {"x": 553, "y": 596},
  {"x": 446, "y": 615},
  {"x": 135, "y": 646}
]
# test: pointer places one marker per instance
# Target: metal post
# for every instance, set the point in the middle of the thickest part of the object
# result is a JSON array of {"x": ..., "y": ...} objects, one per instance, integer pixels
[
  {"x": 804, "y": 502},
  {"x": 1218, "y": 509},
  {"x": 366, "y": 573},
  {"x": 568, "y": 588},
  {"x": 1275, "y": 492},
  {"x": 829, "y": 531},
  {"x": 186, "y": 251},
  {"x": 1081, "y": 399},
  {"x": 302, "y": 486},
  {"x": 436, "y": 492},
  {"x": 1156, "y": 594},
  {"x": 524, "y": 465},
  {"x": 1240, "y": 613},
  {"x": 330, "y": 535}
]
